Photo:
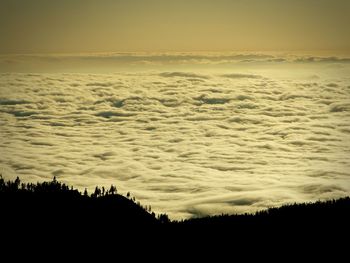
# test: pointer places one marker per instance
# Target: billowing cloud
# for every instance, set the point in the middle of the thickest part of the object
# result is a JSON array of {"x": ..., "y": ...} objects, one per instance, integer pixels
[
  {"x": 166, "y": 62},
  {"x": 308, "y": 59},
  {"x": 238, "y": 140},
  {"x": 241, "y": 76},
  {"x": 182, "y": 74}
]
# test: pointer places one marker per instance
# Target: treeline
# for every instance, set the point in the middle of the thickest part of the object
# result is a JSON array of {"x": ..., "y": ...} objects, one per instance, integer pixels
[
  {"x": 55, "y": 202},
  {"x": 59, "y": 202}
]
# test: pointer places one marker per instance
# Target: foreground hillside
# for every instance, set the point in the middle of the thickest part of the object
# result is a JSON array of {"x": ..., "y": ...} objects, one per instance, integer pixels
[
  {"x": 53, "y": 203},
  {"x": 53, "y": 207}
]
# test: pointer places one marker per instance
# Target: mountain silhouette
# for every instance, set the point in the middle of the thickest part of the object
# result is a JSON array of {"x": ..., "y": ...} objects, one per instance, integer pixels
[{"x": 54, "y": 210}]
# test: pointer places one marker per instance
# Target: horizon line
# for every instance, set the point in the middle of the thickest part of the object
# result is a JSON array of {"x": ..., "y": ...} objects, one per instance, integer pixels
[{"x": 209, "y": 52}]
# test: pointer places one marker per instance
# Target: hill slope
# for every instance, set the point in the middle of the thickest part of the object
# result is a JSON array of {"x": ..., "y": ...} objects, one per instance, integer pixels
[{"x": 55, "y": 207}]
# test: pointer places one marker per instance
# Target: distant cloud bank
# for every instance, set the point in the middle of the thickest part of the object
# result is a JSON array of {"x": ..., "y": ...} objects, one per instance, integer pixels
[{"x": 115, "y": 61}]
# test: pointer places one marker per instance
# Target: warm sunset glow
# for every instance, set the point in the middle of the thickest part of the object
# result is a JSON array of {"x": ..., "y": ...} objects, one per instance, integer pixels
[
  {"x": 197, "y": 107},
  {"x": 164, "y": 25}
]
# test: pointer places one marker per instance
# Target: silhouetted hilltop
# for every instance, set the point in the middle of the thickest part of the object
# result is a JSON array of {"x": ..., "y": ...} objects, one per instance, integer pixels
[
  {"x": 56, "y": 207},
  {"x": 320, "y": 216},
  {"x": 53, "y": 204}
]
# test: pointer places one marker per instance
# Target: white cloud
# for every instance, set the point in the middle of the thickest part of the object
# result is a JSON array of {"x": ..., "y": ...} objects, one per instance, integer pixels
[
  {"x": 182, "y": 74},
  {"x": 241, "y": 76},
  {"x": 186, "y": 147},
  {"x": 129, "y": 62}
]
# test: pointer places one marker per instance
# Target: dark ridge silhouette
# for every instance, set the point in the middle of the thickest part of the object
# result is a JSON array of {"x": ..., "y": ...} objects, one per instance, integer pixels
[
  {"x": 54, "y": 209},
  {"x": 320, "y": 216},
  {"x": 56, "y": 206}
]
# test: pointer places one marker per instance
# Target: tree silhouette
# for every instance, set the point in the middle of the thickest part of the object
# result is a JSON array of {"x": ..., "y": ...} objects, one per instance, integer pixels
[
  {"x": 97, "y": 192},
  {"x": 112, "y": 189},
  {"x": 17, "y": 183},
  {"x": 163, "y": 218}
]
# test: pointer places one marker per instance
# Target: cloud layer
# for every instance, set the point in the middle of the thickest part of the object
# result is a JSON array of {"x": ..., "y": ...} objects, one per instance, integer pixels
[
  {"x": 169, "y": 63},
  {"x": 188, "y": 143}
]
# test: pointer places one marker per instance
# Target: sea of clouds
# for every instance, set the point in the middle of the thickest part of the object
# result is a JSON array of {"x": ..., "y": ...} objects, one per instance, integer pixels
[{"x": 190, "y": 135}]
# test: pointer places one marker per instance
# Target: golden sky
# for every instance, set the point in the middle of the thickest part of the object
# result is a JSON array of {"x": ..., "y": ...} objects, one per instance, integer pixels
[{"x": 71, "y": 26}]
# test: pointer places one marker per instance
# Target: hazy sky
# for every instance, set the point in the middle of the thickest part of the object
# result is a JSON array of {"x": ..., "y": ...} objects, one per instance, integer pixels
[{"x": 38, "y": 26}]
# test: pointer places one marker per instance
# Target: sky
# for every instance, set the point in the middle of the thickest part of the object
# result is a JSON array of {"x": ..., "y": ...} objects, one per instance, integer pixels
[{"x": 83, "y": 26}]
